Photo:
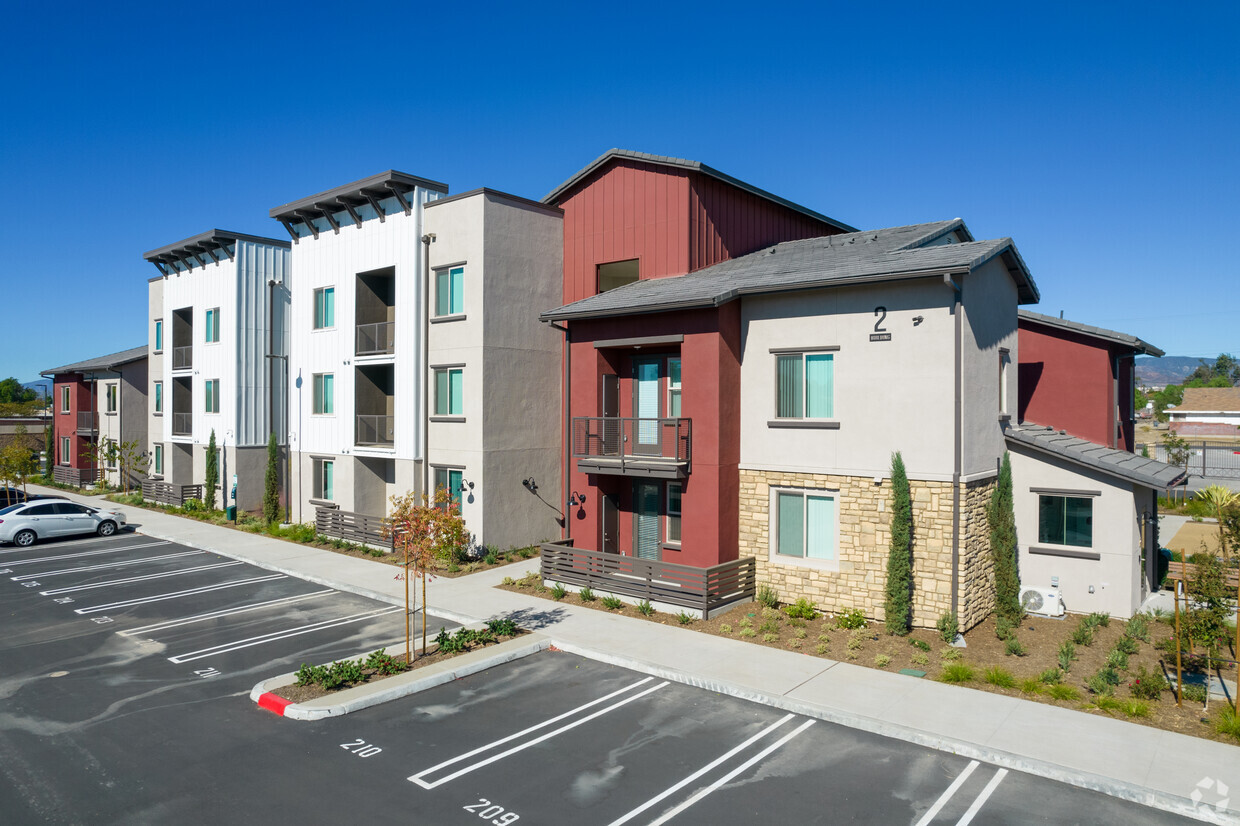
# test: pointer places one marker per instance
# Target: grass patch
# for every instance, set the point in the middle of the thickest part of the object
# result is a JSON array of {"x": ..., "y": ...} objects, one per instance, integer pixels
[
  {"x": 1000, "y": 677},
  {"x": 1031, "y": 685},
  {"x": 685, "y": 618},
  {"x": 586, "y": 594},
  {"x": 1063, "y": 692},
  {"x": 558, "y": 591},
  {"x": 612, "y": 603},
  {"x": 957, "y": 673},
  {"x": 1228, "y": 722}
]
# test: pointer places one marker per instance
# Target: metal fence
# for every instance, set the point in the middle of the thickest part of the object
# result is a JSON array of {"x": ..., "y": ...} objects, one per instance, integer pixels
[
  {"x": 1203, "y": 459},
  {"x": 183, "y": 357},
  {"x": 352, "y": 527},
  {"x": 87, "y": 422},
  {"x": 182, "y": 424},
  {"x": 376, "y": 339},
  {"x": 169, "y": 494},
  {"x": 686, "y": 586},
  {"x": 375, "y": 430},
  {"x": 624, "y": 438}
]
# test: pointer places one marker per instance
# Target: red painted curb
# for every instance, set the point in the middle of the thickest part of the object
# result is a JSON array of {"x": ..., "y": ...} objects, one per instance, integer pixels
[{"x": 272, "y": 703}]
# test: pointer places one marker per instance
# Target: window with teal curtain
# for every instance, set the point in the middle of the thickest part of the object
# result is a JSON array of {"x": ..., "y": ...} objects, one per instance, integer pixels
[
  {"x": 213, "y": 325},
  {"x": 324, "y": 308},
  {"x": 788, "y": 394},
  {"x": 790, "y": 509},
  {"x": 450, "y": 291},
  {"x": 159, "y": 335},
  {"x": 324, "y": 393},
  {"x": 820, "y": 527},
  {"x": 455, "y": 389},
  {"x": 449, "y": 392},
  {"x": 819, "y": 386},
  {"x": 329, "y": 473}
]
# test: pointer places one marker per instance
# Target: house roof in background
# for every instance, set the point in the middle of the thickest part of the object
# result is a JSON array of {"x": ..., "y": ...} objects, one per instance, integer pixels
[
  {"x": 1209, "y": 400},
  {"x": 99, "y": 363},
  {"x": 1117, "y": 463},
  {"x": 1132, "y": 342},
  {"x": 690, "y": 166},
  {"x": 833, "y": 260}
]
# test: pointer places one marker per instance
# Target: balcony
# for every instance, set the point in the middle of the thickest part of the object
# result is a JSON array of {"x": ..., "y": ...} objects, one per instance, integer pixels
[
  {"x": 654, "y": 448},
  {"x": 376, "y": 339},
  {"x": 87, "y": 424},
  {"x": 182, "y": 424},
  {"x": 182, "y": 332},
  {"x": 375, "y": 431},
  {"x": 183, "y": 357}
]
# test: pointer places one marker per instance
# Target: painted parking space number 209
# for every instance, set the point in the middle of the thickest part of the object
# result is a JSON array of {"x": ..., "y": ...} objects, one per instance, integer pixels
[{"x": 487, "y": 810}]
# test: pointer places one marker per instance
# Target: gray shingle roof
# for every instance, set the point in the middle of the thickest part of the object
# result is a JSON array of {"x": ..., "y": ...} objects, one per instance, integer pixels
[
  {"x": 100, "y": 363},
  {"x": 833, "y": 260},
  {"x": 692, "y": 166},
  {"x": 1118, "y": 463},
  {"x": 1137, "y": 345}
]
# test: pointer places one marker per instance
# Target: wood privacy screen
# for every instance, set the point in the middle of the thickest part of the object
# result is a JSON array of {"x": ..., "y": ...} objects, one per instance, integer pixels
[
  {"x": 169, "y": 494},
  {"x": 352, "y": 527}
]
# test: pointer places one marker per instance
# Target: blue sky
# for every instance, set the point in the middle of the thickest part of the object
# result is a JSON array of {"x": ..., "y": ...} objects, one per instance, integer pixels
[{"x": 1102, "y": 138}]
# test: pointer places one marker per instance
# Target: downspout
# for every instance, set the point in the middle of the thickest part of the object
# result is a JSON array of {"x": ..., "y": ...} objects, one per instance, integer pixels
[
  {"x": 568, "y": 372},
  {"x": 957, "y": 437},
  {"x": 424, "y": 363}
]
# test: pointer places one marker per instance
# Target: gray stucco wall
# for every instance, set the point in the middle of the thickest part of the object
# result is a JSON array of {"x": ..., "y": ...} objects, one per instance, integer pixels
[{"x": 990, "y": 325}]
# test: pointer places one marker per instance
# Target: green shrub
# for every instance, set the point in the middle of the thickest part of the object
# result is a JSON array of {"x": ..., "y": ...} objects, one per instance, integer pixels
[
  {"x": 311, "y": 674},
  {"x": 821, "y": 648},
  {"x": 502, "y": 627},
  {"x": 825, "y": 638},
  {"x": 1127, "y": 645},
  {"x": 1004, "y": 627},
  {"x": 882, "y": 660},
  {"x": 491, "y": 558},
  {"x": 1051, "y": 676},
  {"x": 948, "y": 655},
  {"x": 897, "y": 612},
  {"x": 801, "y": 609},
  {"x": 1147, "y": 685},
  {"x": 1082, "y": 635},
  {"x": 794, "y": 643},
  {"x": 645, "y": 608},
  {"x": 920, "y": 644},
  {"x": 948, "y": 627},
  {"x": 1031, "y": 685},
  {"x": 769, "y": 626},
  {"x": 770, "y": 637},
  {"x": 800, "y": 633},
  {"x": 1138, "y": 628},
  {"x": 1000, "y": 677},
  {"x": 856, "y": 639},
  {"x": 558, "y": 591},
  {"x": 1228, "y": 722},
  {"x": 684, "y": 618},
  {"x": 920, "y": 658},
  {"x": 1066, "y": 655},
  {"x": 1097, "y": 620},
  {"x": 725, "y": 628},
  {"x": 1013, "y": 648},
  {"x": 748, "y": 632},
  {"x": 767, "y": 595},
  {"x": 796, "y": 622},
  {"x": 1060, "y": 691},
  {"x": 956, "y": 673},
  {"x": 343, "y": 673},
  {"x": 612, "y": 603},
  {"x": 1194, "y": 693},
  {"x": 850, "y": 618},
  {"x": 586, "y": 594},
  {"x": 385, "y": 663},
  {"x": 508, "y": 581},
  {"x": 1103, "y": 681},
  {"x": 1117, "y": 660},
  {"x": 1001, "y": 517}
]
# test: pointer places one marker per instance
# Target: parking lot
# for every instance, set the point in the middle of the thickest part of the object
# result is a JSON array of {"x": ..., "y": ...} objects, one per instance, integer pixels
[{"x": 127, "y": 662}]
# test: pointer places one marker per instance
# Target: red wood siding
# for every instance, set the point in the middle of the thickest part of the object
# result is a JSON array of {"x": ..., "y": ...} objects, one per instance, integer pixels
[
  {"x": 65, "y": 424},
  {"x": 1067, "y": 381},
  {"x": 726, "y": 222}
]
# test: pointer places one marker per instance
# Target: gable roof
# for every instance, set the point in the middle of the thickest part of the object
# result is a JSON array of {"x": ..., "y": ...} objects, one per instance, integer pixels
[
  {"x": 689, "y": 166},
  {"x": 1117, "y": 463},
  {"x": 1210, "y": 400},
  {"x": 833, "y": 260},
  {"x": 1131, "y": 342},
  {"x": 100, "y": 363}
]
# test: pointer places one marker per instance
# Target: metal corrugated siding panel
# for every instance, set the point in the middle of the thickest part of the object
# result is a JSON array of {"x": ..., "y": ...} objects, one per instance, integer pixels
[{"x": 256, "y": 263}]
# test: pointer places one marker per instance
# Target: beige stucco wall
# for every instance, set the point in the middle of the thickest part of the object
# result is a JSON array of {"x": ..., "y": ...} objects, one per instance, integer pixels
[
  {"x": 857, "y": 579},
  {"x": 989, "y": 297},
  {"x": 1116, "y": 577}
]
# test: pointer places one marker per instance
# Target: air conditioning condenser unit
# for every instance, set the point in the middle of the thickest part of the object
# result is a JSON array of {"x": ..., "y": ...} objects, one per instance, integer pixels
[{"x": 1042, "y": 600}]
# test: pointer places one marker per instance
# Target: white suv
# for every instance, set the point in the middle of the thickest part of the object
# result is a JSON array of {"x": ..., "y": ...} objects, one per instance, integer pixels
[{"x": 24, "y": 524}]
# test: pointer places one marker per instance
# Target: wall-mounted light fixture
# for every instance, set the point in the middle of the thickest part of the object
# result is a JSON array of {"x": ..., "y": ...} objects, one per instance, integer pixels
[
  {"x": 530, "y": 484},
  {"x": 576, "y": 499},
  {"x": 918, "y": 319}
]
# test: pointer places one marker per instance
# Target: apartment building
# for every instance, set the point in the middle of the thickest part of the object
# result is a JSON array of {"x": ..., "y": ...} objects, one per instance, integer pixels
[
  {"x": 218, "y": 325},
  {"x": 99, "y": 405}
]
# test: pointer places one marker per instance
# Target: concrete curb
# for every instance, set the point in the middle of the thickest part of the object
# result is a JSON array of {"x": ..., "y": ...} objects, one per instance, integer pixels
[
  {"x": 1136, "y": 793},
  {"x": 394, "y": 688}
]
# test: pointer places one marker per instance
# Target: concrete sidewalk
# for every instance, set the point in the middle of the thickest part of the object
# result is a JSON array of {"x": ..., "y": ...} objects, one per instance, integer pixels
[{"x": 1146, "y": 765}]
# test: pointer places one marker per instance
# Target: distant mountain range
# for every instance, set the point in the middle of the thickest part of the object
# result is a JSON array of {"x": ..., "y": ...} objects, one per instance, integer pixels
[
  {"x": 43, "y": 386},
  {"x": 1168, "y": 369}
]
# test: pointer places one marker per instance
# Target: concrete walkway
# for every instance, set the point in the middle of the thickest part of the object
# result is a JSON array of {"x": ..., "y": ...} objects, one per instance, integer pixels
[{"x": 1130, "y": 761}]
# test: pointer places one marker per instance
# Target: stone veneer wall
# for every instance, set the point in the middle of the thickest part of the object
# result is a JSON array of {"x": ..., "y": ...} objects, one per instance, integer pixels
[{"x": 864, "y": 513}]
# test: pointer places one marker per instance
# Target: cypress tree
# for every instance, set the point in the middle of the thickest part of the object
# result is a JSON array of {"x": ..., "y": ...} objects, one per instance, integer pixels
[
  {"x": 213, "y": 473},
  {"x": 271, "y": 487},
  {"x": 899, "y": 614},
  {"x": 1002, "y": 518}
]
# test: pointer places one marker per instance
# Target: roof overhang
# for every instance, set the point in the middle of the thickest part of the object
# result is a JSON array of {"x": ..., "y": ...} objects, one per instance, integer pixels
[
  {"x": 1018, "y": 437},
  {"x": 347, "y": 198},
  {"x": 1136, "y": 345},
  {"x": 210, "y": 247}
]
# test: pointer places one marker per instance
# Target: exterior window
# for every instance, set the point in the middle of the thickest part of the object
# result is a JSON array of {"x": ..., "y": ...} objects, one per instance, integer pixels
[
  {"x": 66, "y": 450},
  {"x": 450, "y": 291},
  {"x": 451, "y": 480},
  {"x": 112, "y": 394},
  {"x": 64, "y": 399},
  {"x": 617, "y": 274},
  {"x": 1005, "y": 361},
  {"x": 324, "y": 393},
  {"x": 673, "y": 513},
  {"x": 448, "y": 392},
  {"x": 159, "y": 459},
  {"x": 211, "y": 394},
  {"x": 159, "y": 397},
  {"x": 327, "y": 474},
  {"x": 673, "y": 388},
  {"x": 159, "y": 335},
  {"x": 1066, "y": 520},
  {"x": 213, "y": 325},
  {"x": 805, "y": 386},
  {"x": 324, "y": 308},
  {"x": 109, "y": 454},
  {"x": 805, "y": 525}
]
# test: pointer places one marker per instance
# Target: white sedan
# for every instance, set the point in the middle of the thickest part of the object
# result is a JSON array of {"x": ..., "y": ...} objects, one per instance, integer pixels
[{"x": 27, "y": 523}]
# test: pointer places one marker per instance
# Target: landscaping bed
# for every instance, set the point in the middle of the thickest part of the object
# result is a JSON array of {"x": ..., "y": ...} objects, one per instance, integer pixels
[
  {"x": 304, "y": 534},
  {"x": 986, "y": 663},
  {"x": 319, "y": 681}
]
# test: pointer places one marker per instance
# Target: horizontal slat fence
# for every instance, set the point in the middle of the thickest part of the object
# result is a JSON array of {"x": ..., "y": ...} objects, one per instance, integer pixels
[
  {"x": 169, "y": 494},
  {"x": 702, "y": 589},
  {"x": 352, "y": 527},
  {"x": 1176, "y": 571}
]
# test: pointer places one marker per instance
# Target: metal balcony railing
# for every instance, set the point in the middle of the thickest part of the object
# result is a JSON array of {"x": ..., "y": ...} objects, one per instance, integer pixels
[
  {"x": 376, "y": 339},
  {"x": 183, "y": 357},
  {"x": 87, "y": 422},
  {"x": 182, "y": 424},
  {"x": 636, "y": 442},
  {"x": 375, "y": 430}
]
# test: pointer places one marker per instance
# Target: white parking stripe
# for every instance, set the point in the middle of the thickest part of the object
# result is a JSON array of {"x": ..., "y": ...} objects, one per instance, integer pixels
[
  {"x": 160, "y": 626},
  {"x": 111, "y": 582},
  {"x": 728, "y": 777},
  {"x": 707, "y": 768},
  {"x": 104, "y": 566},
  {"x": 9, "y": 563},
  {"x": 178, "y": 594},
  {"x": 982, "y": 798},
  {"x": 224, "y": 648},
  {"x": 66, "y": 542},
  {"x": 947, "y": 795},
  {"x": 417, "y": 778}
]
